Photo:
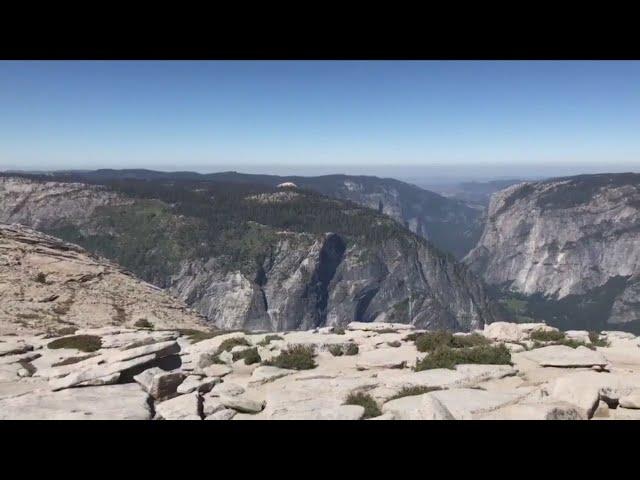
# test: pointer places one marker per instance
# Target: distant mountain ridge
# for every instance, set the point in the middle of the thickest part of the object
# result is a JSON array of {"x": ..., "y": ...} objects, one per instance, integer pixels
[
  {"x": 253, "y": 256},
  {"x": 450, "y": 224},
  {"x": 569, "y": 246}
]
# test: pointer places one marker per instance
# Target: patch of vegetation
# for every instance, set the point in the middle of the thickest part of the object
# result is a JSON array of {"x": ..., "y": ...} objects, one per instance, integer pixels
[
  {"x": 547, "y": 336},
  {"x": 41, "y": 278},
  {"x": 143, "y": 323},
  {"x": 195, "y": 336},
  {"x": 351, "y": 349},
  {"x": 84, "y": 343},
  {"x": 447, "y": 357},
  {"x": 597, "y": 340},
  {"x": 387, "y": 330},
  {"x": 336, "y": 350},
  {"x": 365, "y": 400},
  {"x": 431, "y": 341},
  {"x": 268, "y": 339},
  {"x": 298, "y": 357},
  {"x": 411, "y": 391},
  {"x": 229, "y": 343},
  {"x": 250, "y": 356},
  {"x": 72, "y": 360},
  {"x": 395, "y": 344},
  {"x": 338, "y": 330},
  {"x": 411, "y": 337}
]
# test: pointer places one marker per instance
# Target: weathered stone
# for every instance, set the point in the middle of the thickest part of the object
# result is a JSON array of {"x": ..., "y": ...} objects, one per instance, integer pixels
[
  {"x": 503, "y": 332},
  {"x": 535, "y": 411},
  {"x": 601, "y": 411},
  {"x": 242, "y": 404},
  {"x": 112, "y": 402},
  {"x": 386, "y": 358},
  {"x": 340, "y": 412},
  {"x": 182, "y": 407},
  {"x": 14, "y": 348},
  {"x": 417, "y": 407},
  {"x": 217, "y": 370},
  {"x": 584, "y": 396},
  {"x": 211, "y": 405},
  {"x": 464, "y": 403},
  {"x": 264, "y": 374},
  {"x": 195, "y": 382},
  {"x": 563, "y": 356},
  {"x": 631, "y": 400},
  {"x": 224, "y": 414},
  {"x": 159, "y": 384},
  {"x": 227, "y": 389}
]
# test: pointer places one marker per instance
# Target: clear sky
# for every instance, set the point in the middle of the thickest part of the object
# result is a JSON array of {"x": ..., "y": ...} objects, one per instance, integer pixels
[{"x": 324, "y": 115}]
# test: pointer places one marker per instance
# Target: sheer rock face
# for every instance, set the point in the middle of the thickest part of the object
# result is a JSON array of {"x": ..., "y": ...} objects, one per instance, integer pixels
[
  {"x": 565, "y": 237},
  {"x": 47, "y": 284},
  {"x": 308, "y": 280}
]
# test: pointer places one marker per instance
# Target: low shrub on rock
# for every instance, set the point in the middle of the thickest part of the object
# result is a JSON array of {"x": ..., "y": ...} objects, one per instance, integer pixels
[
  {"x": 431, "y": 341},
  {"x": 547, "y": 336},
  {"x": 143, "y": 323},
  {"x": 411, "y": 391},
  {"x": 447, "y": 357},
  {"x": 268, "y": 339},
  {"x": 339, "y": 350},
  {"x": 597, "y": 341},
  {"x": 298, "y": 357},
  {"x": 339, "y": 330},
  {"x": 229, "y": 343},
  {"x": 336, "y": 350},
  {"x": 250, "y": 356},
  {"x": 195, "y": 336},
  {"x": 84, "y": 343},
  {"x": 394, "y": 344},
  {"x": 351, "y": 349},
  {"x": 366, "y": 401}
]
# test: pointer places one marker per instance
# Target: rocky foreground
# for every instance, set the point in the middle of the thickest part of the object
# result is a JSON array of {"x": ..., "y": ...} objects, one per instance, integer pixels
[{"x": 379, "y": 371}]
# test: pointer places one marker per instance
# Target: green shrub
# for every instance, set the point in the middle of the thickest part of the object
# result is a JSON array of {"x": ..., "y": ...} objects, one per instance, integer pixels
[
  {"x": 447, "y": 357},
  {"x": 84, "y": 343},
  {"x": 41, "y": 278},
  {"x": 387, "y": 330},
  {"x": 365, "y": 400},
  {"x": 351, "y": 349},
  {"x": 394, "y": 344},
  {"x": 267, "y": 340},
  {"x": 250, "y": 356},
  {"x": 336, "y": 350},
  {"x": 339, "y": 330},
  {"x": 411, "y": 391},
  {"x": 298, "y": 357},
  {"x": 229, "y": 343},
  {"x": 430, "y": 341},
  {"x": 547, "y": 336},
  {"x": 143, "y": 323},
  {"x": 411, "y": 337}
]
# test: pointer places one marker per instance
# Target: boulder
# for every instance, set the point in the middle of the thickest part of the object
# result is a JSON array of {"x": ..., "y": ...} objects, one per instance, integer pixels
[
  {"x": 264, "y": 374},
  {"x": 417, "y": 407},
  {"x": 159, "y": 384},
  {"x": 226, "y": 389},
  {"x": 224, "y": 414},
  {"x": 211, "y": 405},
  {"x": 503, "y": 332},
  {"x": 197, "y": 383},
  {"x": 112, "y": 402},
  {"x": 242, "y": 404},
  {"x": 14, "y": 347},
  {"x": 465, "y": 403},
  {"x": 601, "y": 411},
  {"x": 217, "y": 370},
  {"x": 536, "y": 411},
  {"x": 182, "y": 407},
  {"x": 563, "y": 356},
  {"x": 583, "y": 396},
  {"x": 631, "y": 400},
  {"x": 386, "y": 358}
]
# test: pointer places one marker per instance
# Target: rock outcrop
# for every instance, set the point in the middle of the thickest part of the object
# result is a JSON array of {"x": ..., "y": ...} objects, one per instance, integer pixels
[
  {"x": 47, "y": 285},
  {"x": 572, "y": 243},
  {"x": 68, "y": 384}
]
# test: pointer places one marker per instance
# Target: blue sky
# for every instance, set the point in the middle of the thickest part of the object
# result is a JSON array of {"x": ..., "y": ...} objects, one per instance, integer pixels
[{"x": 327, "y": 115}]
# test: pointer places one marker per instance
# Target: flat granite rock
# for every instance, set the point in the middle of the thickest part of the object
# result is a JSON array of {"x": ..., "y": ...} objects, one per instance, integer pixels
[
  {"x": 417, "y": 407},
  {"x": 563, "y": 356},
  {"x": 111, "y": 402},
  {"x": 465, "y": 403},
  {"x": 535, "y": 411}
]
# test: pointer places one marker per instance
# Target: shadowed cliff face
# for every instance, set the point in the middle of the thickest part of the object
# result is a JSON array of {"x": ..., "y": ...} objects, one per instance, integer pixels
[
  {"x": 571, "y": 244},
  {"x": 264, "y": 259}
]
